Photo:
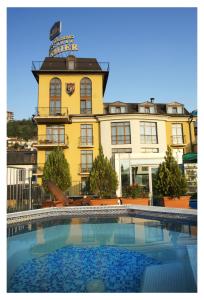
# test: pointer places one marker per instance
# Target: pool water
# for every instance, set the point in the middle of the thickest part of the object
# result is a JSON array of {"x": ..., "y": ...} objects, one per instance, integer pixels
[{"x": 120, "y": 254}]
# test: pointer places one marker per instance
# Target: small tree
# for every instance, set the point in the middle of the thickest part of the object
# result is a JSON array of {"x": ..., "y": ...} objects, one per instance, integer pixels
[
  {"x": 169, "y": 180},
  {"x": 56, "y": 170},
  {"x": 103, "y": 179}
]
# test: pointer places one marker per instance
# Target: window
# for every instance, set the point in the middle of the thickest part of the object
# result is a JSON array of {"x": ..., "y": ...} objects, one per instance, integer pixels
[
  {"x": 55, "y": 134},
  {"x": 148, "y": 133},
  {"x": 71, "y": 64},
  {"x": 86, "y": 135},
  {"x": 85, "y": 96},
  {"x": 150, "y": 150},
  {"x": 86, "y": 160},
  {"x": 55, "y": 96},
  {"x": 174, "y": 109},
  {"x": 177, "y": 134},
  {"x": 120, "y": 133},
  {"x": 118, "y": 109},
  {"x": 147, "y": 109}
]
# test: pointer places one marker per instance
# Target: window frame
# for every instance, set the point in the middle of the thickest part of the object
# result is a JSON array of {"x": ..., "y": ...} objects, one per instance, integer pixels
[
  {"x": 55, "y": 94},
  {"x": 86, "y": 95},
  {"x": 126, "y": 136},
  {"x": 144, "y": 137}
]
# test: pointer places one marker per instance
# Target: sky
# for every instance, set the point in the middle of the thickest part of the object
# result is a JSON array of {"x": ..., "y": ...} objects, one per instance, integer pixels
[{"x": 152, "y": 52}]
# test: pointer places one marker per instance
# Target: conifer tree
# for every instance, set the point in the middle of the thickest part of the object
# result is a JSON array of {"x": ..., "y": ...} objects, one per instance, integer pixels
[
  {"x": 56, "y": 170},
  {"x": 169, "y": 180},
  {"x": 103, "y": 178}
]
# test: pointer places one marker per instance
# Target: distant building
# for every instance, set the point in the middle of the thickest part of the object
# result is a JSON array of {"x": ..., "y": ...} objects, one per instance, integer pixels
[
  {"x": 24, "y": 161},
  {"x": 10, "y": 116},
  {"x": 15, "y": 143}
]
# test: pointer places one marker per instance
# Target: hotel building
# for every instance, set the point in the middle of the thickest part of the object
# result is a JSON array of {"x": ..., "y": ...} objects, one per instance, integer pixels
[{"x": 71, "y": 114}]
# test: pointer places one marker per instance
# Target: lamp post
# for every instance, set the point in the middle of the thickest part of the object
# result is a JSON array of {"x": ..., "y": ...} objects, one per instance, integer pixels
[{"x": 190, "y": 119}]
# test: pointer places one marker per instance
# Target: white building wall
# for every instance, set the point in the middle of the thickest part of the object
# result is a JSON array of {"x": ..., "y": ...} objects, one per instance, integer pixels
[
  {"x": 137, "y": 157},
  {"x": 136, "y": 146}
]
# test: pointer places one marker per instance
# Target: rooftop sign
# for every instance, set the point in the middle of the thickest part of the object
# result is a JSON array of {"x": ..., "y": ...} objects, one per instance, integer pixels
[
  {"x": 63, "y": 44},
  {"x": 60, "y": 44},
  {"x": 55, "y": 30}
]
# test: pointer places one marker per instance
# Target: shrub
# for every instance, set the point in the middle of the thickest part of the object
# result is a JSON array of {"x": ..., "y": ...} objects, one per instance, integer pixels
[
  {"x": 56, "y": 170},
  {"x": 102, "y": 179},
  {"x": 169, "y": 180}
]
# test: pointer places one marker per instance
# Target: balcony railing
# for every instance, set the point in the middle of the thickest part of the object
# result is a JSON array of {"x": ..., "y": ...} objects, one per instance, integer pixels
[
  {"x": 52, "y": 64},
  {"x": 85, "y": 168},
  {"x": 52, "y": 111},
  {"x": 178, "y": 139},
  {"x": 86, "y": 111},
  {"x": 52, "y": 140},
  {"x": 86, "y": 141}
]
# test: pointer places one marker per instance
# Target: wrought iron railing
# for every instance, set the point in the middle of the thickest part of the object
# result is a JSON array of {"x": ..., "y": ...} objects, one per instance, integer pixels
[
  {"x": 85, "y": 168},
  {"x": 50, "y": 139},
  {"x": 52, "y": 111},
  {"x": 86, "y": 141}
]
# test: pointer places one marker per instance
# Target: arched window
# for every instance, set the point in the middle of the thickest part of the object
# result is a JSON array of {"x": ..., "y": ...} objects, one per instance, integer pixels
[
  {"x": 85, "y": 96},
  {"x": 55, "y": 96}
]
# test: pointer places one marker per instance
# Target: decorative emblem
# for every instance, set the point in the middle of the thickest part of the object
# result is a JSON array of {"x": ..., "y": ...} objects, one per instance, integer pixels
[{"x": 70, "y": 88}]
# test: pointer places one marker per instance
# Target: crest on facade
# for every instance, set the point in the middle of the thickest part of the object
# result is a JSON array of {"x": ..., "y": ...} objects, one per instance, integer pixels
[{"x": 70, "y": 87}]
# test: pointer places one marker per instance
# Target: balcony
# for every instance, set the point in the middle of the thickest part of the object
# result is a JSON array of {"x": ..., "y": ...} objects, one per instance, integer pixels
[
  {"x": 178, "y": 140},
  {"x": 52, "y": 115},
  {"x": 50, "y": 141},
  {"x": 85, "y": 168},
  {"x": 86, "y": 142}
]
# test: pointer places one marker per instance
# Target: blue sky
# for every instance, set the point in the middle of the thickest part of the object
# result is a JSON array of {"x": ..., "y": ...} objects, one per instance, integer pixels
[{"x": 152, "y": 51}]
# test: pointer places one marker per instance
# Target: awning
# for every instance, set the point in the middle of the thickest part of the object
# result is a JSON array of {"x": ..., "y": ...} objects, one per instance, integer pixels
[{"x": 190, "y": 157}]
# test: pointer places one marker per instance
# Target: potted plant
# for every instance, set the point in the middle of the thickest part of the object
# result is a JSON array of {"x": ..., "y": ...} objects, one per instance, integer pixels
[
  {"x": 170, "y": 183},
  {"x": 135, "y": 194}
]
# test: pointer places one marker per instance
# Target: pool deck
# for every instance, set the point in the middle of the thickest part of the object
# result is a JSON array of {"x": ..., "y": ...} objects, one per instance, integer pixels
[{"x": 160, "y": 213}]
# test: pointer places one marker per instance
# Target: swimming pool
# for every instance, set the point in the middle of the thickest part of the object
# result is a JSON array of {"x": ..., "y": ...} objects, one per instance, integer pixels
[{"x": 125, "y": 253}]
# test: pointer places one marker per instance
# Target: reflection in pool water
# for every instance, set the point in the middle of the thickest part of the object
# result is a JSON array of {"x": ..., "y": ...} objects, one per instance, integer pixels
[{"x": 122, "y": 254}]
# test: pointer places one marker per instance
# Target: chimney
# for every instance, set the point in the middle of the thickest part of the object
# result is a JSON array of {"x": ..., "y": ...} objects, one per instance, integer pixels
[{"x": 152, "y": 100}]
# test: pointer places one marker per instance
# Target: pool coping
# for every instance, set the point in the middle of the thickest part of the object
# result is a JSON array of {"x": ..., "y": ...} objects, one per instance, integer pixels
[{"x": 151, "y": 211}]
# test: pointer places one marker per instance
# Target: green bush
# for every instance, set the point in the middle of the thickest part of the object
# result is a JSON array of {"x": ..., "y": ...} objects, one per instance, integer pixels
[
  {"x": 103, "y": 179},
  {"x": 135, "y": 191},
  {"x": 169, "y": 180},
  {"x": 56, "y": 170}
]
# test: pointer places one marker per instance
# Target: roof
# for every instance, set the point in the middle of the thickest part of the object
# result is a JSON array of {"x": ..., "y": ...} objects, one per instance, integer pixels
[
  {"x": 133, "y": 107},
  {"x": 59, "y": 65}
]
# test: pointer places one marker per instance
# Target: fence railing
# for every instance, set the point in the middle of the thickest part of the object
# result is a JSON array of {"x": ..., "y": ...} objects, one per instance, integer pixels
[
  {"x": 51, "y": 139},
  {"x": 85, "y": 168},
  {"x": 86, "y": 141},
  {"x": 22, "y": 192},
  {"x": 52, "y": 111}
]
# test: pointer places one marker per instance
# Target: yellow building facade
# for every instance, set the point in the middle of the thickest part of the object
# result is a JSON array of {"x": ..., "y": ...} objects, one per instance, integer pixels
[{"x": 69, "y": 97}]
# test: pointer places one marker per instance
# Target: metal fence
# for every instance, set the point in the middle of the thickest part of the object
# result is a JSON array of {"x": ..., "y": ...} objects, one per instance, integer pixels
[{"x": 23, "y": 193}]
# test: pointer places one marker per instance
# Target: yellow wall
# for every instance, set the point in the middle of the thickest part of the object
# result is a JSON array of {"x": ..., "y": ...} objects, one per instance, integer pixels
[
  {"x": 186, "y": 133},
  {"x": 73, "y": 101},
  {"x": 73, "y": 131}
]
